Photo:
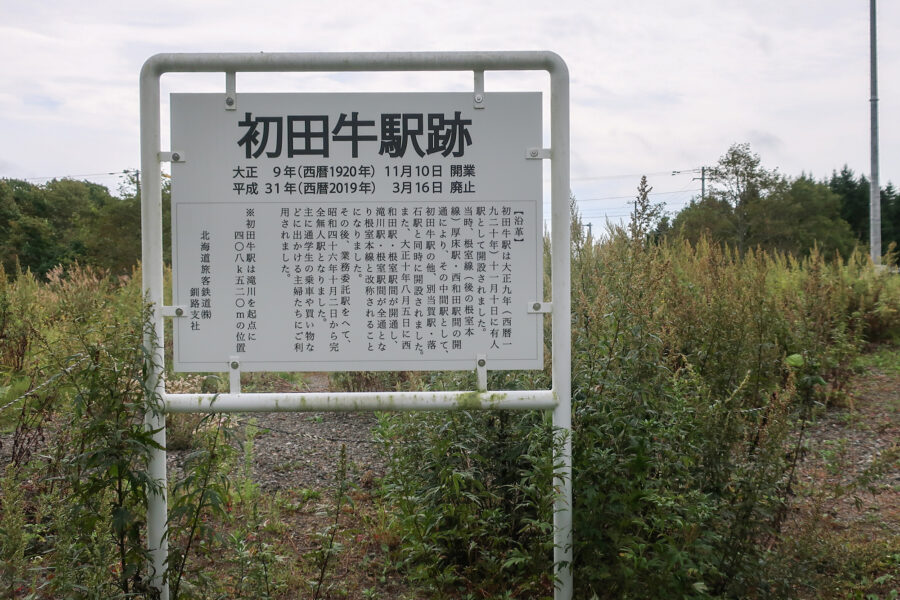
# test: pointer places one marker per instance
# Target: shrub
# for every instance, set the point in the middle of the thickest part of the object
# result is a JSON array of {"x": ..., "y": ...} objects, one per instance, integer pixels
[
  {"x": 470, "y": 492},
  {"x": 87, "y": 417},
  {"x": 683, "y": 406}
]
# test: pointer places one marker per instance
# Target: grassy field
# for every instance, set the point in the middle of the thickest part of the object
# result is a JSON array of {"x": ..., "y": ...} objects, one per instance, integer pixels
[{"x": 734, "y": 436}]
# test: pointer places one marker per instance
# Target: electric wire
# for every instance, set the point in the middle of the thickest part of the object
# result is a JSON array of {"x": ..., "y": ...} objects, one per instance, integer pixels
[{"x": 76, "y": 175}]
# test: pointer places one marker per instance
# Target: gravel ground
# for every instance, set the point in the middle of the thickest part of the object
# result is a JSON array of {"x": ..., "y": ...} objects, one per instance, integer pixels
[
  {"x": 290, "y": 450},
  {"x": 301, "y": 450},
  {"x": 847, "y": 442}
]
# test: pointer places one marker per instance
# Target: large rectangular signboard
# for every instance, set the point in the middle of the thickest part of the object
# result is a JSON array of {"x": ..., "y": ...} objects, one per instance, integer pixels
[{"x": 357, "y": 231}]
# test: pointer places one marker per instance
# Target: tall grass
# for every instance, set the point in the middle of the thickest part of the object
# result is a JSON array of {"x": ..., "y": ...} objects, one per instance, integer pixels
[
  {"x": 694, "y": 372},
  {"x": 693, "y": 368},
  {"x": 79, "y": 445}
]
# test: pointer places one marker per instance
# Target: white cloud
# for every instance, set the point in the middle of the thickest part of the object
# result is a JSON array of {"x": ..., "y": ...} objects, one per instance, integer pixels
[{"x": 655, "y": 85}]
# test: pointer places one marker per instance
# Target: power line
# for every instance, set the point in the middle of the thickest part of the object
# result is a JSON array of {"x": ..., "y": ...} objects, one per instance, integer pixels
[
  {"x": 617, "y": 211},
  {"x": 623, "y": 176},
  {"x": 629, "y": 197},
  {"x": 630, "y": 205},
  {"x": 124, "y": 172}
]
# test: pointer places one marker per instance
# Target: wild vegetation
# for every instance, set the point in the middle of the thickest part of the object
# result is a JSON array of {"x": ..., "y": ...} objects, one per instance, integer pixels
[
  {"x": 698, "y": 368},
  {"x": 695, "y": 371},
  {"x": 74, "y": 485}
]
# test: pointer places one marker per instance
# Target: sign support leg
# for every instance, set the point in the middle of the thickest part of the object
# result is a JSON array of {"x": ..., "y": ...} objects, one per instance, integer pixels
[
  {"x": 562, "y": 329},
  {"x": 157, "y": 508},
  {"x": 152, "y": 280}
]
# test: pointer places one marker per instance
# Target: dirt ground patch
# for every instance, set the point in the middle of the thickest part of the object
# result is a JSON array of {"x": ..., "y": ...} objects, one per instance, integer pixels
[
  {"x": 848, "y": 488},
  {"x": 297, "y": 450},
  {"x": 846, "y": 444}
]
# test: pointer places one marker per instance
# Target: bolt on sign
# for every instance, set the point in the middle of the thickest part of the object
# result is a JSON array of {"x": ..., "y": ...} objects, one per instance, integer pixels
[{"x": 357, "y": 231}]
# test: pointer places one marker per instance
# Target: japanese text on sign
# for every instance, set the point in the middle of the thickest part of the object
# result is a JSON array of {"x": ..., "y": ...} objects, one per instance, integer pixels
[{"x": 310, "y": 135}]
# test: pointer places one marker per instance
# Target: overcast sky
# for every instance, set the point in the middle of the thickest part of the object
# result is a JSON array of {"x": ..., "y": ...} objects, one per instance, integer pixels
[{"x": 656, "y": 85}]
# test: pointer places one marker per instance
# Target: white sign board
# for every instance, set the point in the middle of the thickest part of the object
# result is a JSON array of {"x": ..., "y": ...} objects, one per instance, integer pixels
[{"x": 326, "y": 232}]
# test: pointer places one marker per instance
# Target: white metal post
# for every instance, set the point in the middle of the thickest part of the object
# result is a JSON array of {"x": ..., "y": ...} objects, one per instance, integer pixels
[
  {"x": 558, "y": 398},
  {"x": 874, "y": 185},
  {"x": 152, "y": 274},
  {"x": 562, "y": 320}
]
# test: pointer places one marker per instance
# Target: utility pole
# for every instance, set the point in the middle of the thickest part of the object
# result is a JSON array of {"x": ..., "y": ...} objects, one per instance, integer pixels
[
  {"x": 874, "y": 187},
  {"x": 702, "y": 178}
]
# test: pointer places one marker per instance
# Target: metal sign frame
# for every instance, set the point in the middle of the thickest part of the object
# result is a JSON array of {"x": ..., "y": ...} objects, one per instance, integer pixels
[{"x": 557, "y": 399}]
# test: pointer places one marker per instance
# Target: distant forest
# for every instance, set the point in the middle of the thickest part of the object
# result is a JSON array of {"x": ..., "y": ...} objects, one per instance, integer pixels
[
  {"x": 747, "y": 206},
  {"x": 64, "y": 221}
]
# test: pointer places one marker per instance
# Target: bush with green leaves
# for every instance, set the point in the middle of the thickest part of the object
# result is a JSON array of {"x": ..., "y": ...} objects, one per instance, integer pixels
[
  {"x": 683, "y": 411},
  {"x": 73, "y": 498},
  {"x": 471, "y": 495},
  {"x": 80, "y": 443}
]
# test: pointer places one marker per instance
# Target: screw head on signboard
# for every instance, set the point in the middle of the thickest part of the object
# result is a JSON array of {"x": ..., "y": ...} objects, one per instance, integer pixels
[
  {"x": 176, "y": 157},
  {"x": 479, "y": 98},
  {"x": 481, "y": 362},
  {"x": 179, "y": 312},
  {"x": 235, "y": 364},
  {"x": 534, "y": 153},
  {"x": 536, "y": 306},
  {"x": 229, "y": 101}
]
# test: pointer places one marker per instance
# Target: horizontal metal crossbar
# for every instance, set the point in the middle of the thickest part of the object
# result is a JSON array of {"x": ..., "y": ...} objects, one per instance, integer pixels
[
  {"x": 360, "y": 401},
  {"x": 353, "y": 61}
]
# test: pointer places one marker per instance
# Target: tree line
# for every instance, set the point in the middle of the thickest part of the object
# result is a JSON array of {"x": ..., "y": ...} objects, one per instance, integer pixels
[
  {"x": 748, "y": 206},
  {"x": 64, "y": 221}
]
